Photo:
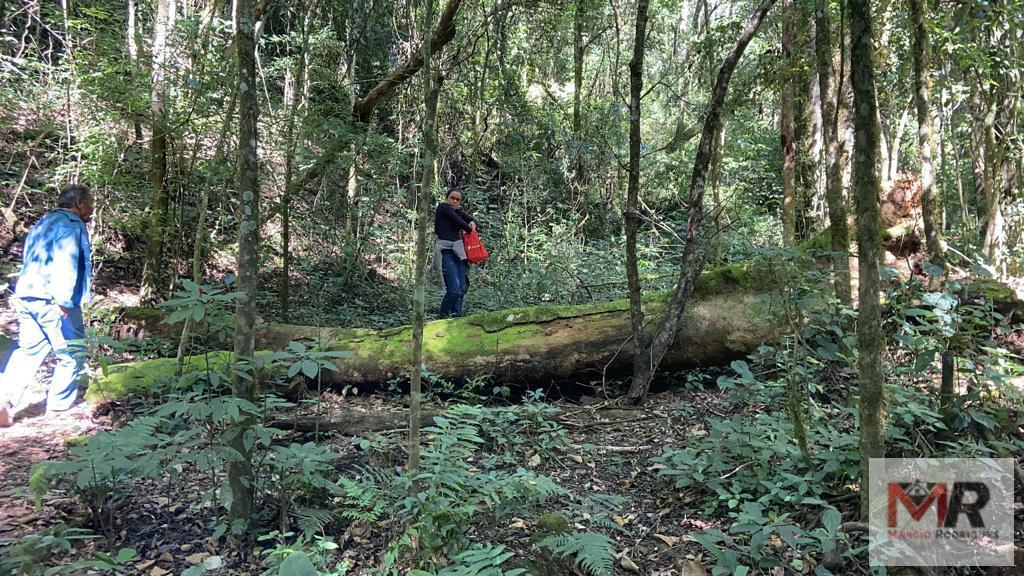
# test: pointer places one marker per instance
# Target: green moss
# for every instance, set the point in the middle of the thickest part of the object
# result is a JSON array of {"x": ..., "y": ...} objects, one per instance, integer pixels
[
  {"x": 550, "y": 524},
  {"x": 725, "y": 279},
  {"x": 502, "y": 319},
  {"x": 156, "y": 375},
  {"x": 75, "y": 441},
  {"x": 1003, "y": 297},
  {"x": 820, "y": 242}
]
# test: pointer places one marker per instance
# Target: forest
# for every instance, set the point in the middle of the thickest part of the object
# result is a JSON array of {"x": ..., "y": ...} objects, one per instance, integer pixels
[{"x": 738, "y": 252}]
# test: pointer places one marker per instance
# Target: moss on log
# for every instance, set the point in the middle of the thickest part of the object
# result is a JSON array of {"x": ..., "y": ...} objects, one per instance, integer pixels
[{"x": 728, "y": 320}]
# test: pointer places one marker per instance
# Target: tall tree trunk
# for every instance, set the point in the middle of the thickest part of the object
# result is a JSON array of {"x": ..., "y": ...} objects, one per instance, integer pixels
[
  {"x": 431, "y": 86},
  {"x": 866, "y": 186},
  {"x": 692, "y": 260},
  {"x": 838, "y": 231},
  {"x": 157, "y": 152},
  {"x": 577, "y": 93},
  {"x": 133, "y": 41},
  {"x": 921, "y": 49},
  {"x": 994, "y": 238},
  {"x": 631, "y": 216},
  {"x": 202, "y": 233},
  {"x": 922, "y": 55},
  {"x": 296, "y": 108},
  {"x": 787, "y": 126},
  {"x": 718, "y": 243},
  {"x": 240, "y": 477}
]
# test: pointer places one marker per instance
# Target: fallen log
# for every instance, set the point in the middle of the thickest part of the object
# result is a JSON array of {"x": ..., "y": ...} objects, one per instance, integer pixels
[
  {"x": 729, "y": 319},
  {"x": 352, "y": 423}
]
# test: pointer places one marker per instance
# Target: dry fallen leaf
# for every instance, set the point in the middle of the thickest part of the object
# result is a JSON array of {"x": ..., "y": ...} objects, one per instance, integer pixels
[
  {"x": 628, "y": 564},
  {"x": 576, "y": 458},
  {"x": 534, "y": 461},
  {"x": 143, "y": 566},
  {"x": 670, "y": 540},
  {"x": 165, "y": 557},
  {"x": 620, "y": 520},
  {"x": 197, "y": 558},
  {"x": 692, "y": 568},
  {"x": 158, "y": 571},
  {"x": 518, "y": 524}
]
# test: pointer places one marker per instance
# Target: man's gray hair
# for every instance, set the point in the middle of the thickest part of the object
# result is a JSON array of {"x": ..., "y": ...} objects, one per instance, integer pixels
[{"x": 72, "y": 195}]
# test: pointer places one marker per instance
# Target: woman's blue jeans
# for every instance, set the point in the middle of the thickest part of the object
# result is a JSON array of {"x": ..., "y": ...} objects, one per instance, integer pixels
[{"x": 456, "y": 283}]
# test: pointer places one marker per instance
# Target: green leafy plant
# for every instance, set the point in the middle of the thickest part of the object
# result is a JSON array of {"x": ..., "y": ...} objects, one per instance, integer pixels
[
  {"x": 35, "y": 554},
  {"x": 104, "y": 470},
  {"x": 591, "y": 551}
]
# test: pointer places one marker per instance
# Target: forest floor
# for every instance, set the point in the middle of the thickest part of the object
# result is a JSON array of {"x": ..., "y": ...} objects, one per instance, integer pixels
[{"x": 169, "y": 528}]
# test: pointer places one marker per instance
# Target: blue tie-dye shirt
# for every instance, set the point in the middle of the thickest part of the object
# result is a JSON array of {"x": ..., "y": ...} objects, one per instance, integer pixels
[{"x": 57, "y": 261}]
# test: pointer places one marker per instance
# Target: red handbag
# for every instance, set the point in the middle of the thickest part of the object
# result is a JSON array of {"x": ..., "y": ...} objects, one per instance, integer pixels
[{"x": 475, "y": 251}]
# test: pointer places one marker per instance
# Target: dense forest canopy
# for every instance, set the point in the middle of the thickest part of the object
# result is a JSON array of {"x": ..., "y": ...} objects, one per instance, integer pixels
[{"x": 800, "y": 221}]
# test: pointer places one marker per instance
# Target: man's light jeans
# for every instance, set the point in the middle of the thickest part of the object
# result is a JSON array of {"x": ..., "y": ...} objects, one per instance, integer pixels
[{"x": 44, "y": 329}]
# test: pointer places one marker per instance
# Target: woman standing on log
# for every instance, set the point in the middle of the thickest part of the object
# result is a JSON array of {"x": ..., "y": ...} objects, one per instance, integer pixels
[{"x": 450, "y": 222}]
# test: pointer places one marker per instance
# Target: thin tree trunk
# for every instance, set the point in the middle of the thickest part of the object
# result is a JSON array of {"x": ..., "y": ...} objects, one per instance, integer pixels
[
  {"x": 994, "y": 239},
  {"x": 296, "y": 108},
  {"x": 631, "y": 215},
  {"x": 199, "y": 248},
  {"x": 787, "y": 126},
  {"x": 838, "y": 227},
  {"x": 577, "y": 94},
  {"x": 926, "y": 144},
  {"x": 431, "y": 87},
  {"x": 157, "y": 152},
  {"x": 133, "y": 41},
  {"x": 240, "y": 477},
  {"x": 866, "y": 187},
  {"x": 716, "y": 173},
  {"x": 692, "y": 260}
]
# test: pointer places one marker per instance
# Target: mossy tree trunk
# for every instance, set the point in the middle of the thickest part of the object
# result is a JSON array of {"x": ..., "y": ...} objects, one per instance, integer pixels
[
  {"x": 921, "y": 49},
  {"x": 866, "y": 187},
  {"x": 431, "y": 87},
  {"x": 727, "y": 320},
  {"x": 692, "y": 261},
  {"x": 787, "y": 125},
  {"x": 839, "y": 235},
  {"x": 239, "y": 469}
]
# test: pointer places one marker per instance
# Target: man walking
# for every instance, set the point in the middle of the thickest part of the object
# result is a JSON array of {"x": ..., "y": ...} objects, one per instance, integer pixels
[{"x": 53, "y": 284}]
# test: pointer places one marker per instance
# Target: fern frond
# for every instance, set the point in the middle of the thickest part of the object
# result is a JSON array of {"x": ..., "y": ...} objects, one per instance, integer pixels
[
  {"x": 313, "y": 520},
  {"x": 591, "y": 551},
  {"x": 39, "y": 482},
  {"x": 481, "y": 560}
]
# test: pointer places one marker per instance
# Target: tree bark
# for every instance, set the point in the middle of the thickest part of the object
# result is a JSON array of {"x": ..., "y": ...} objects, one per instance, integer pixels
[
  {"x": 157, "y": 152},
  {"x": 439, "y": 37},
  {"x": 922, "y": 95},
  {"x": 431, "y": 87},
  {"x": 692, "y": 261},
  {"x": 839, "y": 234},
  {"x": 240, "y": 469},
  {"x": 866, "y": 187},
  {"x": 728, "y": 319},
  {"x": 787, "y": 127},
  {"x": 296, "y": 103},
  {"x": 631, "y": 216}
]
